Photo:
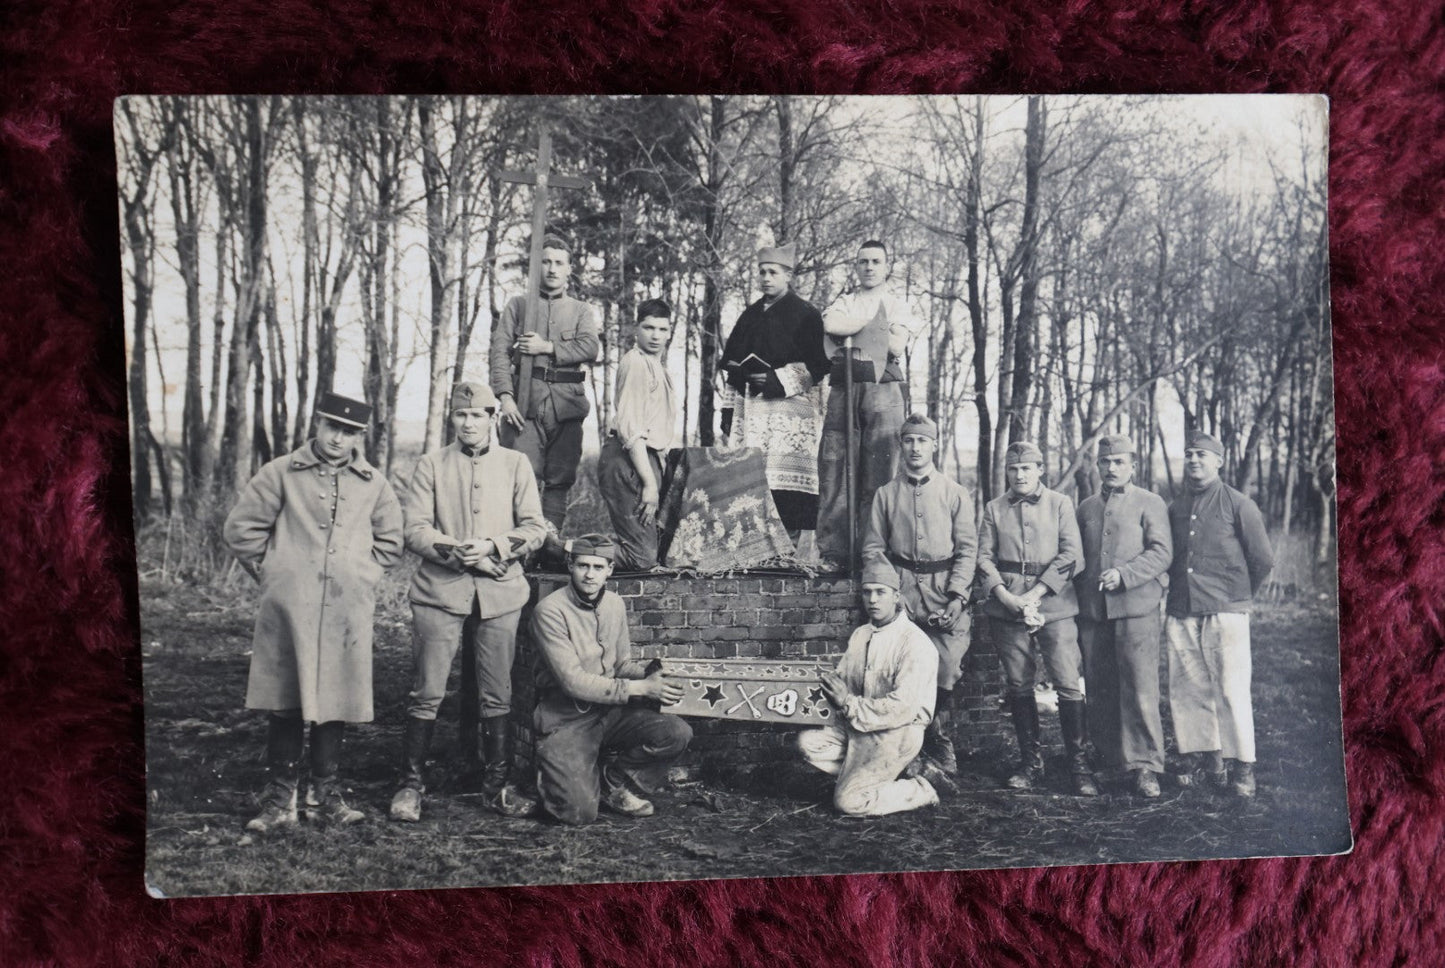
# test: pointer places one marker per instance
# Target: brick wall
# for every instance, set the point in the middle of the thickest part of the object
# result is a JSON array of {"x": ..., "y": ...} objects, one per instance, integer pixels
[{"x": 746, "y": 616}]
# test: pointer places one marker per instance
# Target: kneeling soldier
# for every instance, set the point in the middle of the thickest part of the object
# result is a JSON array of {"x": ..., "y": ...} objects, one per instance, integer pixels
[
  {"x": 1127, "y": 549},
  {"x": 1028, "y": 548},
  {"x": 922, "y": 523},
  {"x": 317, "y": 528},
  {"x": 592, "y": 744},
  {"x": 884, "y": 691}
]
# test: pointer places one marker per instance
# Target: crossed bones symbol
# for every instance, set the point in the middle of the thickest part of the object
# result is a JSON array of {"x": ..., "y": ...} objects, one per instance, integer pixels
[{"x": 747, "y": 701}]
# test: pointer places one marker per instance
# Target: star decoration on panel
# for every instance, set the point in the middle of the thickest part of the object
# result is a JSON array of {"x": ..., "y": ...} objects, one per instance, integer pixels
[{"x": 713, "y": 695}]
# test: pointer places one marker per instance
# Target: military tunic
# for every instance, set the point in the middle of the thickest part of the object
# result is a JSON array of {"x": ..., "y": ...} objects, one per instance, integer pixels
[
  {"x": 1119, "y": 630},
  {"x": 456, "y": 495},
  {"x": 1222, "y": 558},
  {"x": 1023, "y": 542},
  {"x": 924, "y": 527},
  {"x": 551, "y": 436},
  {"x": 582, "y": 707}
]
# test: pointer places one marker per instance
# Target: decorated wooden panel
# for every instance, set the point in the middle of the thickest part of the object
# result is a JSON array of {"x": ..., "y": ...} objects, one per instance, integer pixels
[{"x": 752, "y": 690}]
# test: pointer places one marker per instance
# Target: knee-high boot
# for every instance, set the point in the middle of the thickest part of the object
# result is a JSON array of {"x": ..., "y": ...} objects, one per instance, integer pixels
[
  {"x": 497, "y": 748},
  {"x": 1071, "y": 724},
  {"x": 1025, "y": 713},
  {"x": 415, "y": 743}
]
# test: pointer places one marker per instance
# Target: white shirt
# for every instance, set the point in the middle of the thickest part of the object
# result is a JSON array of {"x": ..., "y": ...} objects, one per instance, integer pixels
[{"x": 892, "y": 675}]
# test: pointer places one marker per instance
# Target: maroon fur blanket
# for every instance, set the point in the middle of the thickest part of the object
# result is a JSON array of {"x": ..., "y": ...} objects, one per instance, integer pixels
[{"x": 72, "y": 799}]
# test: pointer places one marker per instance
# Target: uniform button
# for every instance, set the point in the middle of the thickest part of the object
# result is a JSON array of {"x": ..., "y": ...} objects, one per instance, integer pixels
[
  {"x": 476, "y": 485},
  {"x": 1191, "y": 534},
  {"x": 331, "y": 551},
  {"x": 1190, "y": 570},
  {"x": 476, "y": 510},
  {"x": 322, "y": 495},
  {"x": 1194, "y": 517},
  {"x": 1106, "y": 530}
]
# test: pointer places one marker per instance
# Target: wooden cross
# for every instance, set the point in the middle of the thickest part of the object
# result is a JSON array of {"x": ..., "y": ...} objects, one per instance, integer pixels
[{"x": 543, "y": 178}]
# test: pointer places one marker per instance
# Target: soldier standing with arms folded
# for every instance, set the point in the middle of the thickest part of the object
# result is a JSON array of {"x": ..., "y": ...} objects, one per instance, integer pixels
[
  {"x": 1028, "y": 551},
  {"x": 1221, "y": 560},
  {"x": 316, "y": 528},
  {"x": 1127, "y": 551},
  {"x": 471, "y": 514},
  {"x": 922, "y": 524}
]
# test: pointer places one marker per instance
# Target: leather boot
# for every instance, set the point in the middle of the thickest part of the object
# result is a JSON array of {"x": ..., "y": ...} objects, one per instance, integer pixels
[
  {"x": 415, "y": 743},
  {"x": 937, "y": 745},
  {"x": 501, "y": 795},
  {"x": 324, "y": 801},
  {"x": 1071, "y": 724},
  {"x": 285, "y": 736},
  {"x": 1025, "y": 714}
]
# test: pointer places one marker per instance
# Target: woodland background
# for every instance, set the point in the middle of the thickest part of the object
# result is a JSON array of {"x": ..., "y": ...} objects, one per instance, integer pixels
[{"x": 1081, "y": 265}]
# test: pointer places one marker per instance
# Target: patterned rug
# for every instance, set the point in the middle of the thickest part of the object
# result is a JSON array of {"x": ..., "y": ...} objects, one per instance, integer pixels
[{"x": 717, "y": 513}]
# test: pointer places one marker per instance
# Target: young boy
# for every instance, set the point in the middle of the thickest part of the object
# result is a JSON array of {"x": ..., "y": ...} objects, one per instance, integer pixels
[
  {"x": 922, "y": 524},
  {"x": 317, "y": 528},
  {"x": 629, "y": 471}
]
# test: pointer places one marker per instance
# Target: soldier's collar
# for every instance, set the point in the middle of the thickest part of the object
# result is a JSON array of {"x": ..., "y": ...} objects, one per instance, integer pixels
[
  {"x": 1016, "y": 499},
  {"x": 588, "y": 603},
  {"x": 305, "y": 457},
  {"x": 474, "y": 452},
  {"x": 544, "y": 294},
  {"x": 917, "y": 481}
]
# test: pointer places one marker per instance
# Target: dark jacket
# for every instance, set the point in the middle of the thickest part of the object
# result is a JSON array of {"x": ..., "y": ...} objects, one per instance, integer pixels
[{"x": 1221, "y": 552}]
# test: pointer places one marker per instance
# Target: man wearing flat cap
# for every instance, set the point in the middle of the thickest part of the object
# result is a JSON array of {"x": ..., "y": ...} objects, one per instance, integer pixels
[
  {"x": 876, "y": 326},
  {"x": 1028, "y": 551},
  {"x": 316, "y": 528},
  {"x": 883, "y": 691},
  {"x": 922, "y": 524},
  {"x": 1221, "y": 560},
  {"x": 771, "y": 364},
  {"x": 1127, "y": 551},
  {"x": 561, "y": 342},
  {"x": 594, "y": 747},
  {"x": 472, "y": 514}
]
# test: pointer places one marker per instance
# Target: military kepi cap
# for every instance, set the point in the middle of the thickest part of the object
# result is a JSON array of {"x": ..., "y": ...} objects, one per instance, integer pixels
[
  {"x": 592, "y": 544},
  {"x": 919, "y": 424},
  {"x": 880, "y": 571},
  {"x": 1115, "y": 445},
  {"x": 783, "y": 255},
  {"x": 344, "y": 410},
  {"x": 1022, "y": 452},
  {"x": 473, "y": 396},
  {"x": 1199, "y": 440}
]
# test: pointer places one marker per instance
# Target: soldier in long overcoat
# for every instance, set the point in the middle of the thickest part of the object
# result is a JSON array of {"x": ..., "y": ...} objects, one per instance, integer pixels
[{"x": 317, "y": 528}]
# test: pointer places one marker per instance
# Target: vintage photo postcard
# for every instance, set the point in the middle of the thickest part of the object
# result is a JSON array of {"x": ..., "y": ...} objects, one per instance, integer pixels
[{"x": 536, "y": 490}]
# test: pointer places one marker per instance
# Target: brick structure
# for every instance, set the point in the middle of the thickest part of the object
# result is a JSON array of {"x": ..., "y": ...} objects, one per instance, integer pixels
[{"x": 745, "y": 616}]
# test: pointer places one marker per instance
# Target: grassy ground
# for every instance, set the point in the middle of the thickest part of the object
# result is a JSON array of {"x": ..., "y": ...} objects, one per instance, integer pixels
[{"x": 205, "y": 768}]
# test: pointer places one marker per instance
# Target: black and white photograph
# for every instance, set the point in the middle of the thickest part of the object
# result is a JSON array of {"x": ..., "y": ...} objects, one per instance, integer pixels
[{"x": 577, "y": 489}]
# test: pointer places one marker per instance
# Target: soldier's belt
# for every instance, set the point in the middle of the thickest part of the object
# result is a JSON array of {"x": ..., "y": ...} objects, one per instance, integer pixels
[
  {"x": 921, "y": 567},
  {"x": 558, "y": 376},
  {"x": 753, "y": 690},
  {"x": 1026, "y": 568}
]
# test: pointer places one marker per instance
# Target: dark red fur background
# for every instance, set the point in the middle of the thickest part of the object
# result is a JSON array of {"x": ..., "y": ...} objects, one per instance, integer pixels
[{"x": 71, "y": 783}]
